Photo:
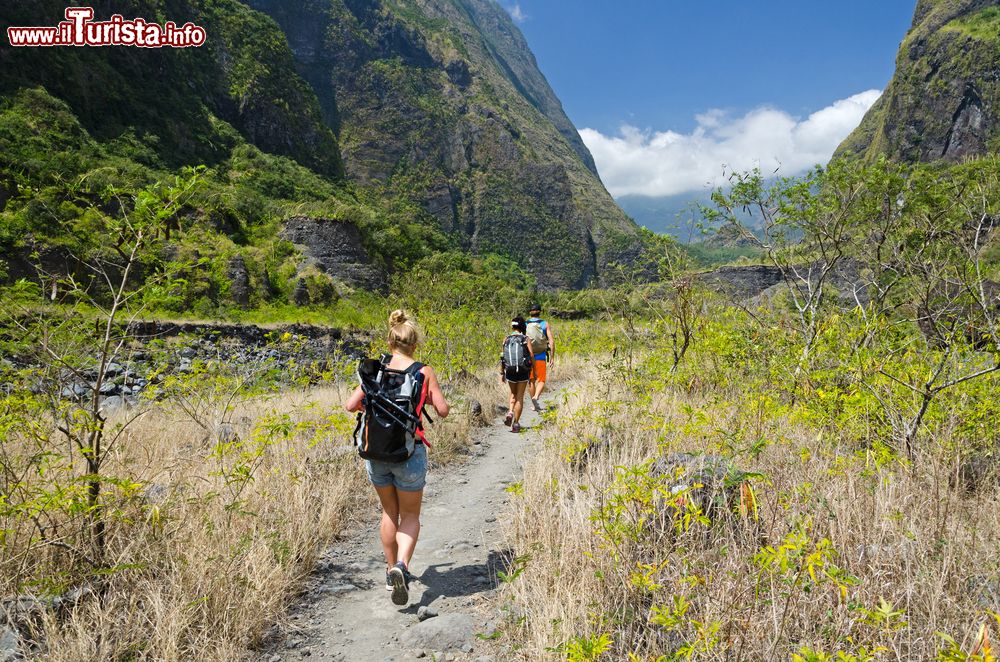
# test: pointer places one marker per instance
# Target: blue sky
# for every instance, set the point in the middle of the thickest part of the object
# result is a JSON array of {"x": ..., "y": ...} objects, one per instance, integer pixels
[{"x": 670, "y": 82}]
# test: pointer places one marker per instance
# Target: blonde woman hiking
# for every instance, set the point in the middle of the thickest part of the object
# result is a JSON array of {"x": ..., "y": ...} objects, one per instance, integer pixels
[{"x": 390, "y": 402}]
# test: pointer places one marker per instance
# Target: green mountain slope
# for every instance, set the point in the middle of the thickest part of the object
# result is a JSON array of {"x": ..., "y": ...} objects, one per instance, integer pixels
[
  {"x": 441, "y": 102},
  {"x": 944, "y": 100},
  {"x": 426, "y": 115}
]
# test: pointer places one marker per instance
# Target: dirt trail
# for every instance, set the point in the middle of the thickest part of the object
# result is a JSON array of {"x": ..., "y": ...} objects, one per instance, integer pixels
[{"x": 346, "y": 613}]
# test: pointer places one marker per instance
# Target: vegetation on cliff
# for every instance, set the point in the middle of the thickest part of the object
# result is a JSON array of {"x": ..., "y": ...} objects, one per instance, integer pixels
[{"x": 944, "y": 99}]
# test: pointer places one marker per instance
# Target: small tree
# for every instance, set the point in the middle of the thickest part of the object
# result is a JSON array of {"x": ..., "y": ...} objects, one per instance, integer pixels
[
  {"x": 940, "y": 252},
  {"x": 73, "y": 352},
  {"x": 810, "y": 229}
]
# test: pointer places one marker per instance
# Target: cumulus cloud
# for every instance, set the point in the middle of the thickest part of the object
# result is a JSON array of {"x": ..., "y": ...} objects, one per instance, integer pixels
[
  {"x": 662, "y": 163},
  {"x": 517, "y": 13}
]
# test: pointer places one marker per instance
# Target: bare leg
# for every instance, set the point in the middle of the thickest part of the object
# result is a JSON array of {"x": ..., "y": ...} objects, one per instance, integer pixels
[
  {"x": 388, "y": 528},
  {"x": 536, "y": 391},
  {"x": 409, "y": 524},
  {"x": 517, "y": 396}
]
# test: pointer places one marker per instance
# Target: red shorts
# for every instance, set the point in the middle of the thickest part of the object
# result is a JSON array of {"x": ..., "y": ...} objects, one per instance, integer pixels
[{"x": 538, "y": 370}]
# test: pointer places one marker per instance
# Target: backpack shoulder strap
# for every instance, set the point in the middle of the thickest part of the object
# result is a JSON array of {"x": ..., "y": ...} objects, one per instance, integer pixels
[{"x": 421, "y": 405}]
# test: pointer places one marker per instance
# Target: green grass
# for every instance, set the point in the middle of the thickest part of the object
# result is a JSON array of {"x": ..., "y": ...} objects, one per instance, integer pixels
[{"x": 983, "y": 25}]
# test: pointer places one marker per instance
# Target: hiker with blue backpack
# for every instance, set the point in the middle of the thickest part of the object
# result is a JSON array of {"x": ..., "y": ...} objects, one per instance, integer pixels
[
  {"x": 543, "y": 347},
  {"x": 390, "y": 402},
  {"x": 516, "y": 361}
]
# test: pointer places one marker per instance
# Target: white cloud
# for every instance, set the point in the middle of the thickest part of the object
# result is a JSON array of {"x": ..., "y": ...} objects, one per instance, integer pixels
[
  {"x": 661, "y": 163},
  {"x": 517, "y": 13}
]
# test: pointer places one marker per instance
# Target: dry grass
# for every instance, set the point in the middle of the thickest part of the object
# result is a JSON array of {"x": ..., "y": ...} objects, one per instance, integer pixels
[
  {"x": 901, "y": 533},
  {"x": 204, "y": 562}
]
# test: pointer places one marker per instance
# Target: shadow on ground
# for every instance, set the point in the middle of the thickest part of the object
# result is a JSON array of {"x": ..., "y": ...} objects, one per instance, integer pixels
[{"x": 450, "y": 581}]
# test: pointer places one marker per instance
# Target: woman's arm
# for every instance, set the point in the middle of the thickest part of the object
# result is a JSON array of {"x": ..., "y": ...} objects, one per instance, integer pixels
[
  {"x": 552, "y": 341},
  {"x": 434, "y": 394},
  {"x": 354, "y": 402}
]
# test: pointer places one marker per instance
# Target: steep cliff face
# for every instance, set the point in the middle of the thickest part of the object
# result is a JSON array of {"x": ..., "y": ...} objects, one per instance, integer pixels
[
  {"x": 441, "y": 102},
  {"x": 435, "y": 110},
  {"x": 944, "y": 100}
]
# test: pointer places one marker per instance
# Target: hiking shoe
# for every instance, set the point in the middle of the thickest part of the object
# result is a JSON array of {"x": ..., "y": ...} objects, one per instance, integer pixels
[
  {"x": 536, "y": 405},
  {"x": 400, "y": 588},
  {"x": 508, "y": 418},
  {"x": 388, "y": 579},
  {"x": 515, "y": 428}
]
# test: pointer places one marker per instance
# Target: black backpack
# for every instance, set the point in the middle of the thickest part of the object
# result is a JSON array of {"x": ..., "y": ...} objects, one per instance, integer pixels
[
  {"x": 389, "y": 428},
  {"x": 516, "y": 355}
]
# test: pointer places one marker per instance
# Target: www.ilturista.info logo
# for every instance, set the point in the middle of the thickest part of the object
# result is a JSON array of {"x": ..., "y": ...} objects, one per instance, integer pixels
[{"x": 79, "y": 29}]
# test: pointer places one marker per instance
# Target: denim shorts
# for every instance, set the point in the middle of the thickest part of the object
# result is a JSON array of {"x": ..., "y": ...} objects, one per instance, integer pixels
[{"x": 409, "y": 476}]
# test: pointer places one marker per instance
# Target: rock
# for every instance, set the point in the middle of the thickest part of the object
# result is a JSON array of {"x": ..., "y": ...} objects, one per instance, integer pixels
[
  {"x": 501, "y": 410},
  {"x": 113, "y": 370},
  {"x": 111, "y": 405},
  {"x": 425, "y": 612},
  {"x": 450, "y": 632},
  {"x": 155, "y": 494},
  {"x": 485, "y": 658},
  {"x": 225, "y": 432},
  {"x": 458, "y": 73},
  {"x": 985, "y": 591},
  {"x": 72, "y": 598},
  {"x": 275, "y": 658},
  {"x": 76, "y": 391},
  {"x": 10, "y": 644},
  {"x": 743, "y": 282},
  {"x": 336, "y": 248},
  {"x": 300, "y": 296},
  {"x": 684, "y": 471},
  {"x": 239, "y": 281},
  {"x": 975, "y": 472}
]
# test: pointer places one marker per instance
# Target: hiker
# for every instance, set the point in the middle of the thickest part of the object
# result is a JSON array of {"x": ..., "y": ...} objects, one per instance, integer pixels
[
  {"x": 515, "y": 369},
  {"x": 543, "y": 345},
  {"x": 390, "y": 436}
]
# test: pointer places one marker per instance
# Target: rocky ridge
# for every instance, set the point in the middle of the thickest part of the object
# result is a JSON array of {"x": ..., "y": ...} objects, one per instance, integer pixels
[{"x": 943, "y": 102}]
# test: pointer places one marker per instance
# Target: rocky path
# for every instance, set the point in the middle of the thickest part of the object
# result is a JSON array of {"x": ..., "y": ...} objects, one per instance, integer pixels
[{"x": 347, "y": 615}]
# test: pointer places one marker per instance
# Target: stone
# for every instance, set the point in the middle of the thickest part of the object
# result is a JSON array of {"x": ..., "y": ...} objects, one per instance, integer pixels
[
  {"x": 225, "y": 432},
  {"x": 425, "y": 612},
  {"x": 985, "y": 591},
  {"x": 685, "y": 471},
  {"x": 976, "y": 472},
  {"x": 112, "y": 405},
  {"x": 449, "y": 632},
  {"x": 300, "y": 296},
  {"x": 336, "y": 248},
  {"x": 239, "y": 281},
  {"x": 10, "y": 644}
]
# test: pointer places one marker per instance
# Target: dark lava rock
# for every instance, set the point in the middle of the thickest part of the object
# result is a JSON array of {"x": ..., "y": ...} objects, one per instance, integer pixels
[
  {"x": 703, "y": 478},
  {"x": 300, "y": 296},
  {"x": 976, "y": 472},
  {"x": 239, "y": 281},
  {"x": 336, "y": 248},
  {"x": 742, "y": 282}
]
